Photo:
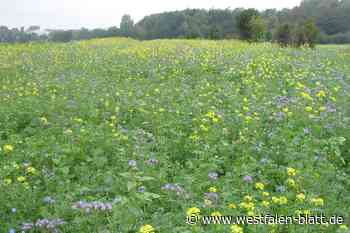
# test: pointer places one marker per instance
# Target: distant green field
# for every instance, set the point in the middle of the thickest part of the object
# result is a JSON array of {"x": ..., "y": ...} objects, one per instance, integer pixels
[{"x": 117, "y": 135}]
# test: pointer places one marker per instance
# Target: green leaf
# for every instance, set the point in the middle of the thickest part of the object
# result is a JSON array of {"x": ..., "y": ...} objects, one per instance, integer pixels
[{"x": 131, "y": 185}]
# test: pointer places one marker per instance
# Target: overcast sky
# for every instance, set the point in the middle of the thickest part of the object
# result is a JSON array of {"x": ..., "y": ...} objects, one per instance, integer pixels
[{"x": 72, "y": 14}]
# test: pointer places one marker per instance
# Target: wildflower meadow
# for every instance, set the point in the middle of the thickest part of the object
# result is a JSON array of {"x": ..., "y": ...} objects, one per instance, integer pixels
[{"x": 118, "y": 135}]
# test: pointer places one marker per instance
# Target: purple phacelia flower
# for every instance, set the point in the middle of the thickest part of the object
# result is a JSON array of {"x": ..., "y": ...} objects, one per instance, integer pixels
[
  {"x": 213, "y": 197},
  {"x": 152, "y": 161},
  {"x": 95, "y": 205},
  {"x": 213, "y": 176},
  {"x": 174, "y": 188},
  {"x": 48, "y": 200},
  {"x": 307, "y": 130},
  {"x": 141, "y": 189},
  {"x": 264, "y": 161},
  {"x": 132, "y": 163},
  {"x": 43, "y": 224},
  {"x": 27, "y": 226},
  {"x": 281, "y": 189},
  {"x": 248, "y": 179}
]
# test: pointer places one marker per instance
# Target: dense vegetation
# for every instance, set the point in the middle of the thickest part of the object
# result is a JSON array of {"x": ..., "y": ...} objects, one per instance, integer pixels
[
  {"x": 332, "y": 18},
  {"x": 116, "y": 135}
]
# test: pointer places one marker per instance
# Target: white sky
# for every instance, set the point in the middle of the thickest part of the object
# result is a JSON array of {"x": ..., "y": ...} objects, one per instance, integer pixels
[{"x": 71, "y": 14}]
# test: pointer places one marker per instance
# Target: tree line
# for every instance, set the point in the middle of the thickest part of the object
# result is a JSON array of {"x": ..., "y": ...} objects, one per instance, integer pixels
[{"x": 313, "y": 21}]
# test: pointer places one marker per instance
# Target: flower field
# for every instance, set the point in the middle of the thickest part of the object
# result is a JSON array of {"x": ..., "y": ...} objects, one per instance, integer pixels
[{"x": 117, "y": 135}]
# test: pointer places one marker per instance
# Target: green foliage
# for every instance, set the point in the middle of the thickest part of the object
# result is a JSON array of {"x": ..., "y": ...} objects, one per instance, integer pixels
[
  {"x": 283, "y": 35},
  {"x": 340, "y": 38},
  {"x": 331, "y": 17},
  {"x": 189, "y": 23},
  {"x": 114, "y": 135},
  {"x": 306, "y": 33},
  {"x": 257, "y": 29},
  {"x": 18, "y": 35},
  {"x": 244, "y": 21},
  {"x": 61, "y": 35},
  {"x": 127, "y": 26}
]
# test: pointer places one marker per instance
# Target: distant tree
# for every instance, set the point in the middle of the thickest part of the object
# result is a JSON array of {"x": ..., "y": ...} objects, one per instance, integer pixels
[
  {"x": 244, "y": 23},
  {"x": 126, "y": 26},
  {"x": 4, "y": 34},
  {"x": 191, "y": 29},
  {"x": 283, "y": 35},
  {"x": 330, "y": 16},
  {"x": 33, "y": 28},
  {"x": 82, "y": 34},
  {"x": 99, "y": 33},
  {"x": 113, "y": 32},
  {"x": 257, "y": 28},
  {"x": 61, "y": 35},
  {"x": 214, "y": 33},
  {"x": 306, "y": 33}
]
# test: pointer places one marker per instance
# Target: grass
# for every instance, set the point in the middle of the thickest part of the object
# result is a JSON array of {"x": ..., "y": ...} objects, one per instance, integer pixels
[{"x": 114, "y": 135}]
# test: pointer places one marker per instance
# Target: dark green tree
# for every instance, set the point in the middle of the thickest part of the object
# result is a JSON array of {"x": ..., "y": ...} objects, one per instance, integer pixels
[
  {"x": 61, "y": 35},
  {"x": 306, "y": 33},
  {"x": 127, "y": 26},
  {"x": 257, "y": 29},
  {"x": 283, "y": 35},
  {"x": 244, "y": 23}
]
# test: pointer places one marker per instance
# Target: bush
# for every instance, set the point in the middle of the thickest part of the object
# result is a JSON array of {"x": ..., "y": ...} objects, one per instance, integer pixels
[
  {"x": 339, "y": 38},
  {"x": 283, "y": 35},
  {"x": 305, "y": 33}
]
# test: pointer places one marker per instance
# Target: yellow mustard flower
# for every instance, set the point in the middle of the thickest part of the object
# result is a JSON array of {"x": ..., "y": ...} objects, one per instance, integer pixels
[
  {"x": 204, "y": 128},
  {"x": 7, "y": 181},
  {"x": 213, "y": 190},
  {"x": 232, "y": 206},
  {"x": 44, "y": 120},
  {"x": 300, "y": 197},
  {"x": 8, "y": 148},
  {"x": 259, "y": 186},
  {"x": 247, "y": 198},
  {"x": 308, "y": 109},
  {"x": 321, "y": 94},
  {"x": 247, "y": 205},
  {"x": 283, "y": 200},
  {"x": 31, "y": 170},
  {"x": 291, "y": 183},
  {"x": 306, "y": 96},
  {"x": 236, "y": 229},
  {"x": 280, "y": 200},
  {"x": 216, "y": 213},
  {"x": 193, "y": 211},
  {"x": 317, "y": 201},
  {"x": 21, "y": 179},
  {"x": 265, "y": 203},
  {"x": 265, "y": 194},
  {"x": 146, "y": 229},
  {"x": 291, "y": 171}
]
